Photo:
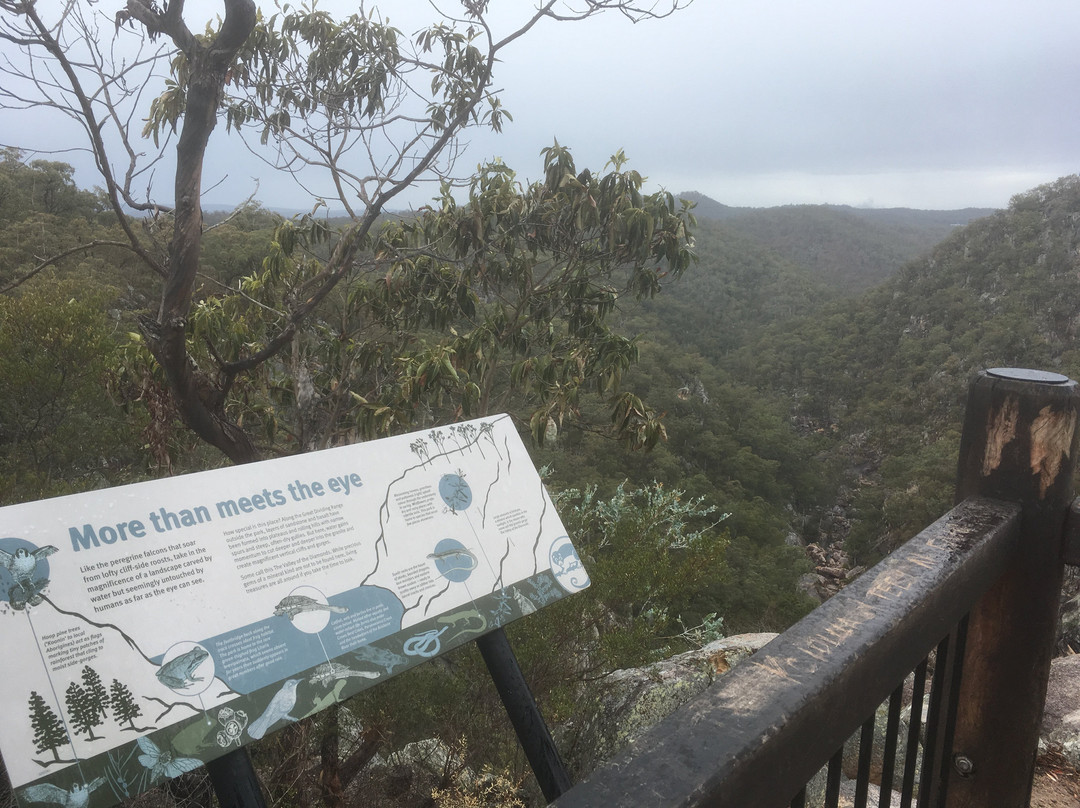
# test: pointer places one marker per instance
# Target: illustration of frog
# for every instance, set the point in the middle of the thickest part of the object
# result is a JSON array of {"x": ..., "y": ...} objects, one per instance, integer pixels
[{"x": 179, "y": 673}]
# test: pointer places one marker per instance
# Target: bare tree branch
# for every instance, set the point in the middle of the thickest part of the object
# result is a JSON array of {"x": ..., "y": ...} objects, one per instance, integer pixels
[
  {"x": 56, "y": 259},
  {"x": 401, "y": 107}
]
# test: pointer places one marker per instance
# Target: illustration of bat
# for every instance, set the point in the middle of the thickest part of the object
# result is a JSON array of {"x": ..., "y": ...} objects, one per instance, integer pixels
[{"x": 77, "y": 797}]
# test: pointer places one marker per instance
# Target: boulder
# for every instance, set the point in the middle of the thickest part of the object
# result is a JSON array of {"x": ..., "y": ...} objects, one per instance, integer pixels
[
  {"x": 847, "y": 795},
  {"x": 628, "y": 702},
  {"x": 877, "y": 752},
  {"x": 814, "y": 586},
  {"x": 1068, "y": 639},
  {"x": 1060, "y": 728}
]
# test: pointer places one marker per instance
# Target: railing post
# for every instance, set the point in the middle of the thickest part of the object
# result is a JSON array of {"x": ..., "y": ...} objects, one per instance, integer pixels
[{"x": 1019, "y": 444}]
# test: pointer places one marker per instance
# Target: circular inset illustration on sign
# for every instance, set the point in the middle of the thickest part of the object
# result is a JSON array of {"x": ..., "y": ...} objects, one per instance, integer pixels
[
  {"x": 453, "y": 561},
  {"x": 24, "y": 572},
  {"x": 455, "y": 492},
  {"x": 186, "y": 668},
  {"x": 566, "y": 566},
  {"x": 233, "y": 722},
  {"x": 307, "y": 609}
]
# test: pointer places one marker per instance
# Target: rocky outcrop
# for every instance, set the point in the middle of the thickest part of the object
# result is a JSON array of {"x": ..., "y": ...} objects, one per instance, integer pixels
[
  {"x": 633, "y": 700},
  {"x": 832, "y": 571},
  {"x": 630, "y": 701},
  {"x": 1061, "y": 717}
]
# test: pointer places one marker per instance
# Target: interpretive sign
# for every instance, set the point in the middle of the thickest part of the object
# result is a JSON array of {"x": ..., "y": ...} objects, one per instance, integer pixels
[{"x": 149, "y": 628}]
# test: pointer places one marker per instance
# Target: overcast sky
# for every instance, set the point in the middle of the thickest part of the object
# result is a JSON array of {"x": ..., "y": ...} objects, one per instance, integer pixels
[{"x": 925, "y": 104}]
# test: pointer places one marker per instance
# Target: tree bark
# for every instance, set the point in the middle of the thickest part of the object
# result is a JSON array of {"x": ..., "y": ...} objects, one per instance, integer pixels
[{"x": 200, "y": 398}]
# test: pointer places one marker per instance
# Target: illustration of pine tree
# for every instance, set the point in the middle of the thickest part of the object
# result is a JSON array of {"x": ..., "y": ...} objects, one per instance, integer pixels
[
  {"x": 123, "y": 703},
  {"x": 95, "y": 689},
  {"x": 49, "y": 733},
  {"x": 84, "y": 713}
]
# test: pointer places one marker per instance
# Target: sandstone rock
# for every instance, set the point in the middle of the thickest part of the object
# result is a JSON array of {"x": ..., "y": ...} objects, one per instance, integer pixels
[
  {"x": 877, "y": 753},
  {"x": 847, "y": 795},
  {"x": 631, "y": 701},
  {"x": 815, "y": 793},
  {"x": 1068, "y": 639},
  {"x": 419, "y": 767},
  {"x": 1061, "y": 717},
  {"x": 831, "y": 572},
  {"x": 815, "y": 586}
]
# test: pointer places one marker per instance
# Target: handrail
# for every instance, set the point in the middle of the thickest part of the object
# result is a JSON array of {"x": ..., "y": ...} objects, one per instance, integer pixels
[
  {"x": 745, "y": 740},
  {"x": 974, "y": 597}
]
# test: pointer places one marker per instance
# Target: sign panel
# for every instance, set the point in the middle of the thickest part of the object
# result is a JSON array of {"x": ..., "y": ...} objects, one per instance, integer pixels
[{"x": 149, "y": 628}]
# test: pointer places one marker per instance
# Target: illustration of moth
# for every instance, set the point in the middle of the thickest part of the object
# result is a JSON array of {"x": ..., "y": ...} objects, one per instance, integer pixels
[{"x": 162, "y": 763}]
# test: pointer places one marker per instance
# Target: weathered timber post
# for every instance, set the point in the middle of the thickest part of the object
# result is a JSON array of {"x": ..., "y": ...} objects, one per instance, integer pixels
[{"x": 1019, "y": 444}]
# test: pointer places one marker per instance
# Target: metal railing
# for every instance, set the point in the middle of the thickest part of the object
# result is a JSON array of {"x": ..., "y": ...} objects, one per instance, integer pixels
[{"x": 958, "y": 624}]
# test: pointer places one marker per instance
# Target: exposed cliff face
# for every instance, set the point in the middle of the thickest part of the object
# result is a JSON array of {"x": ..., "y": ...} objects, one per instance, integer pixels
[{"x": 628, "y": 702}]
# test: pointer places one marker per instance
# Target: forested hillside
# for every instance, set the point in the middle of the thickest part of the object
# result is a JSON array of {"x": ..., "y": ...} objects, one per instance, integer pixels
[
  {"x": 885, "y": 375},
  {"x": 792, "y": 413},
  {"x": 848, "y": 249}
]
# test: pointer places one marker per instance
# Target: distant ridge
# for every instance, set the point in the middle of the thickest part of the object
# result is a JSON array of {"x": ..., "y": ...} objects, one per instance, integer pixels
[
  {"x": 885, "y": 373},
  {"x": 849, "y": 249},
  {"x": 708, "y": 208}
]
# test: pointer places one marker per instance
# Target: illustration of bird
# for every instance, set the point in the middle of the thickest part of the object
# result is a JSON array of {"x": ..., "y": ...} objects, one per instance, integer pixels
[
  {"x": 22, "y": 564},
  {"x": 279, "y": 708},
  {"x": 77, "y": 797}
]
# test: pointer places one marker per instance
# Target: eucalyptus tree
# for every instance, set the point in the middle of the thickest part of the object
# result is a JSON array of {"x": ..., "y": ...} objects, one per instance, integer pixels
[
  {"x": 377, "y": 112},
  {"x": 498, "y": 303},
  {"x": 352, "y": 330}
]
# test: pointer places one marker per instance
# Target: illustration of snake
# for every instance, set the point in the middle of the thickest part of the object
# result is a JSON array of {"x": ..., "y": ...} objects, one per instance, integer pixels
[{"x": 426, "y": 644}]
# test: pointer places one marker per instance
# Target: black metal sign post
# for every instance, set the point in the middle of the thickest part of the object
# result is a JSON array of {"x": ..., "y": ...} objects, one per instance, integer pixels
[
  {"x": 235, "y": 782},
  {"x": 524, "y": 714}
]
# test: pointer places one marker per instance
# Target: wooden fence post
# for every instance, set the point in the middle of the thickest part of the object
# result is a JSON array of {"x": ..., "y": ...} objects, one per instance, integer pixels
[{"x": 1019, "y": 444}]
